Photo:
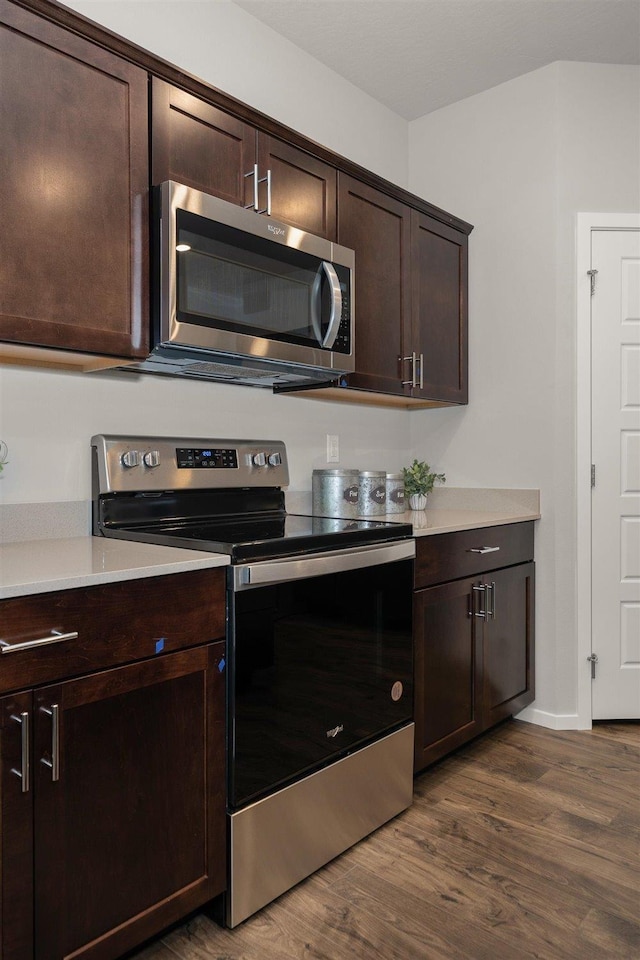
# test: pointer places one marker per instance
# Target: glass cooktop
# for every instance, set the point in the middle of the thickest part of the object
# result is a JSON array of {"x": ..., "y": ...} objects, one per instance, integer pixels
[{"x": 266, "y": 537}]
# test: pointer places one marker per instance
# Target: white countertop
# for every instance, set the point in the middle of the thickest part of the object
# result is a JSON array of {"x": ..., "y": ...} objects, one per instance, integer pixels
[
  {"x": 426, "y": 522},
  {"x": 41, "y": 566},
  {"x": 62, "y": 563}
]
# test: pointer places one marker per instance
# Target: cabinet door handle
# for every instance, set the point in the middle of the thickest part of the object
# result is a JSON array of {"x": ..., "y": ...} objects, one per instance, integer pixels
[
  {"x": 414, "y": 375},
  {"x": 54, "y": 763},
  {"x": 56, "y": 637},
  {"x": 253, "y": 173},
  {"x": 257, "y": 180},
  {"x": 483, "y": 549},
  {"x": 490, "y": 602},
  {"x": 478, "y": 589},
  {"x": 421, "y": 363},
  {"x": 268, "y": 179},
  {"x": 24, "y": 771}
]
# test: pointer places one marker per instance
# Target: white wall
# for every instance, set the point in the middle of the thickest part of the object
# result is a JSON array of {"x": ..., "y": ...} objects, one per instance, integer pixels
[
  {"x": 47, "y": 418},
  {"x": 519, "y": 161}
]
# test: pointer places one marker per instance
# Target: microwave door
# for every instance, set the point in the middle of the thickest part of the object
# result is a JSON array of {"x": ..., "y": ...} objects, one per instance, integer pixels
[{"x": 326, "y": 335}]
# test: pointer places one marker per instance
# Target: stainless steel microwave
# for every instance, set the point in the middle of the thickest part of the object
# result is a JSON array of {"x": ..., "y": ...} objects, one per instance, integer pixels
[{"x": 243, "y": 298}]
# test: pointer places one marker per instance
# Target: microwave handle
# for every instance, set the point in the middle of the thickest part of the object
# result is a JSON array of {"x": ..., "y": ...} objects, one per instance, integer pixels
[{"x": 336, "y": 305}]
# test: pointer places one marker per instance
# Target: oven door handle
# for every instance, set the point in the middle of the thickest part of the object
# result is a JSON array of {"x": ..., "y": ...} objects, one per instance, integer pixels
[{"x": 267, "y": 572}]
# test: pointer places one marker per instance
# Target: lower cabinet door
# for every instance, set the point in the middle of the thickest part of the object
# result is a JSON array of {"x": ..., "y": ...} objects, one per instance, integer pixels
[
  {"x": 129, "y": 828},
  {"x": 16, "y": 828},
  {"x": 508, "y": 646},
  {"x": 448, "y": 687}
]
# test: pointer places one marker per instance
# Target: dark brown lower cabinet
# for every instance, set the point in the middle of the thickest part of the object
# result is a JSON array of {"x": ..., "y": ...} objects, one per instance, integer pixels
[
  {"x": 112, "y": 806},
  {"x": 473, "y": 637}
]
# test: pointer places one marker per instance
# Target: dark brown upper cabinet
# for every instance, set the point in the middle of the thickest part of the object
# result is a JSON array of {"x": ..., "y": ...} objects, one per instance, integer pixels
[
  {"x": 74, "y": 195},
  {"x": 438, "y": 310},
  {"x": 411, "y": 298},
  {"x": 196, "y": 143},
  {"x": 378, "y": 228},
  {"x": 73, "y": 191}
]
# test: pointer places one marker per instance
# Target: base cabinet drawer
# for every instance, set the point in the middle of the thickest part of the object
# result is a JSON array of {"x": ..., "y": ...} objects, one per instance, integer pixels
[
  {"x": 467, "y": 553},
  {"x": 473, "y": 642},
  {"x": 53, "y": 636}
]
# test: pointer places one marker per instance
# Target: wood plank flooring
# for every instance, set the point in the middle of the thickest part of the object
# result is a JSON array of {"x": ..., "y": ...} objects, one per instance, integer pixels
[{"x": 523, "y": 845}]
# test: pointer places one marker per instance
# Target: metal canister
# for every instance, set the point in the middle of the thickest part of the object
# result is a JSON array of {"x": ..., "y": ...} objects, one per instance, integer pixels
[
  {"x": 373, "y": 492},
  {"x": 395, "y": 493},
  {"x": 335, "y": 493}
]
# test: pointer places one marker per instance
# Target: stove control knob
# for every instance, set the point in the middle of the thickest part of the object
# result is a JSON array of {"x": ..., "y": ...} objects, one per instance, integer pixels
[
  {"x": 131, "y": 458},
  {"x": 259, "y": 459},
  {"x": 275, "y": 459},
  {"x": 151, "y": 458}
]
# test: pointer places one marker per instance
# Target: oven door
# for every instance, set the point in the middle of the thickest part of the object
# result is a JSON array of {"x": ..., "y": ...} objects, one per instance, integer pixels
[{"x": 321, "y": 661}]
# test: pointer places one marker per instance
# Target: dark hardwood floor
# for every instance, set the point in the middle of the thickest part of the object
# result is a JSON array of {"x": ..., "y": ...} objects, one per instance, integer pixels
[{"x": 524, "y": 844}]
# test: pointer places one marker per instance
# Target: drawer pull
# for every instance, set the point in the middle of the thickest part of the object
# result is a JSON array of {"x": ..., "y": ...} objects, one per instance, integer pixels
[
  {"x": 56, "y": 637},
  {"x": 483, "y": 550},
  {"x": 23, "y": 773}
]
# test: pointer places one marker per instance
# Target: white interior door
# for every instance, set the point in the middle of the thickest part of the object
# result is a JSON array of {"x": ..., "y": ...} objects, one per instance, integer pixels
[{"x": 615, "y": 444}]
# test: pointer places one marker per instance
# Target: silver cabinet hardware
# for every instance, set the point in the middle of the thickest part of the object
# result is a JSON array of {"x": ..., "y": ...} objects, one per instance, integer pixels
[
  {"x": 56, "y": 637},
  {"x": 24, "y": 772},
  {"x": 257, "y": 180},
  {"x": 593, "y": 659},
  {"x": 483, "y": 549},
  {"x": 54, "y": 763},
  {"x": 417, "y": 370},
  {"x": 490, "y": 602},
  {"x": 268, "y": 178},
  {"x": 414, "y": 372},
  {"x": 253, "y": 173},
  {"x": 478, "y": 589}
]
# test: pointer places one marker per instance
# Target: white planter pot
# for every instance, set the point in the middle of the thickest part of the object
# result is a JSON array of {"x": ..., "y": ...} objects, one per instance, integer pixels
[{"x": 418, "y": 501}]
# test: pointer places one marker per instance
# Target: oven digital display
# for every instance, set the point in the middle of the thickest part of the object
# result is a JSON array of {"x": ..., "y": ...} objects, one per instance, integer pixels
[{"x": 206, "y": 458}]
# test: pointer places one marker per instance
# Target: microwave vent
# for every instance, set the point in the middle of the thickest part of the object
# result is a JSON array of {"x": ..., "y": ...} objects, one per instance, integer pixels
[{"x": 223, "y": 370}]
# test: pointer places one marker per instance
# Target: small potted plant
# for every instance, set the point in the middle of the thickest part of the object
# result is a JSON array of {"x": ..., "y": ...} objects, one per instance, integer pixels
[
  {"x": 418, "y": 482},
  {"x": 4, "y": 451}
]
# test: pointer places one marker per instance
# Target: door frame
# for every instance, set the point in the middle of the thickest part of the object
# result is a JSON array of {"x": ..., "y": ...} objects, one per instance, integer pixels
[{"x": 586, "y": 224}]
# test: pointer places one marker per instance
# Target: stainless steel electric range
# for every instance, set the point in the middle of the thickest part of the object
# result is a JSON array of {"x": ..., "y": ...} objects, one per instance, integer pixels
[{"x": 319, "y": 647}]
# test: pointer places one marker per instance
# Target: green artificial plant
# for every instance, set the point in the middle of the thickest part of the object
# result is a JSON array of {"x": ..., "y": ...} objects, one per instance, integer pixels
[{"x": 418, "y": 478}]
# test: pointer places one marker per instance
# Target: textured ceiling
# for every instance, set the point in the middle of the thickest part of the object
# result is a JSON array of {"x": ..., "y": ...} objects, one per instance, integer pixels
[{"x": 418, "y": 55}]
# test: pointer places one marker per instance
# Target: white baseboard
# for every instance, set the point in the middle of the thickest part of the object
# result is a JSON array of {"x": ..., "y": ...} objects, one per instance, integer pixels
[{"x": 554, "y": 721}]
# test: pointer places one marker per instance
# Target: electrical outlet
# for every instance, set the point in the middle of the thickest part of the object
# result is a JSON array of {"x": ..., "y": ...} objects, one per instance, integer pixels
[{"x": 333, "y": 448}]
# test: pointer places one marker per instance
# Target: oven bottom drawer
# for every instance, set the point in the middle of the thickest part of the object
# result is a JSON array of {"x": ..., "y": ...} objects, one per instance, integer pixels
[{"x": 278, "y": 841}]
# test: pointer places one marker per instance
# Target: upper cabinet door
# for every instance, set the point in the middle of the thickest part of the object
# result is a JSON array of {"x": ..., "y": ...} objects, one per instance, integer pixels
[
  {"x": 73, "y": 191},
  {"x": 439, "y": 309},
  {"x": 377, "y": 227},
  {"x": 303, "y": 188},
  {"x": 194, "y": 143}
]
